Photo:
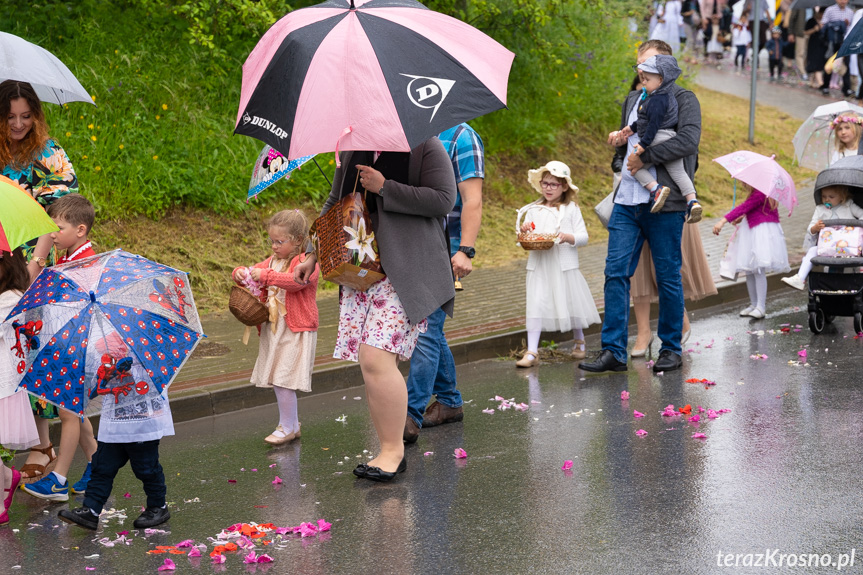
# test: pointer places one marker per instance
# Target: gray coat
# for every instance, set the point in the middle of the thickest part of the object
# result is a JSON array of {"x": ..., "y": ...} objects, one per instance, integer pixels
[
  {"x": 683, "y": 145},
  {"x": 408, "y": 226}
]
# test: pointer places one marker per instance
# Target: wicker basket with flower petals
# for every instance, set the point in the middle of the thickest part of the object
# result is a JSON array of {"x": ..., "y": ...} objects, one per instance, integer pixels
[{"x": 542, "y": 237}]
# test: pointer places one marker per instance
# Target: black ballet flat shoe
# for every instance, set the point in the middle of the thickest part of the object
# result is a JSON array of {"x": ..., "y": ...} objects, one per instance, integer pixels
[
  {"x": 377, "y": 474},
  {"x": 361, "y": 470}
]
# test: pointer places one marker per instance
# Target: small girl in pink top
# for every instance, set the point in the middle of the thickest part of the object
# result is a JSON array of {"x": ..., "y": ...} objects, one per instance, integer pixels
[
  {"x": 287, "y": 350},
  {"x": 758, "y": 248}
]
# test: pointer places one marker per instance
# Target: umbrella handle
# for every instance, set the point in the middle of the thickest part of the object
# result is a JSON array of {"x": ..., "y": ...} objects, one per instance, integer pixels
[
  {"x": 734, "y": 199},
  {"x": 321, "y": 171}
]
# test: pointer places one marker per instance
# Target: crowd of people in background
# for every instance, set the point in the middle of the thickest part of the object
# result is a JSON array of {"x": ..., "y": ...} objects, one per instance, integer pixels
[{"x": 800, "y": 44}]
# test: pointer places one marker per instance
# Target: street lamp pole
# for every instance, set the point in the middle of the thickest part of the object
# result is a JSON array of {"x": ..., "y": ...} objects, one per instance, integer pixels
[{"x": 756, "y": 16}]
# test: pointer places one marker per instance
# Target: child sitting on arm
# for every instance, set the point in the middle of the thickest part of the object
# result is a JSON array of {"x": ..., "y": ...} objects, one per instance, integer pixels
[{"x": 657, "y": 118}]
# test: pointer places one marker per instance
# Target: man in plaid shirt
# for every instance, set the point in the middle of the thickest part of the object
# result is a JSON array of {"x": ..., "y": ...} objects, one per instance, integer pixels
[{"x": 432, "y": 365}]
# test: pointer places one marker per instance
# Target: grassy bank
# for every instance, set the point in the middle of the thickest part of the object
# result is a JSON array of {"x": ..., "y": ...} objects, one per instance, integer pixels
[{"x": 210, "y": 245}]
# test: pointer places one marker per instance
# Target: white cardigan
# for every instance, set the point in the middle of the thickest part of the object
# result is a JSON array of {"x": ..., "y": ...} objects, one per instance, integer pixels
[
  {"x": 571, "y": 222},
  {"x": 9, "y": 377}
]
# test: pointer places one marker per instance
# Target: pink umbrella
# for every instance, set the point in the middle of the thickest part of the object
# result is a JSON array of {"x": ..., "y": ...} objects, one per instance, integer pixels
[
  {"x": 367, "y": 75},
  {"x": 762, "y": 173}
]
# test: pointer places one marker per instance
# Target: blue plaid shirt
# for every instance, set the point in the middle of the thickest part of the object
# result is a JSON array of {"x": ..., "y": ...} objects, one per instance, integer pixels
[{"x": 464, "y": 147}]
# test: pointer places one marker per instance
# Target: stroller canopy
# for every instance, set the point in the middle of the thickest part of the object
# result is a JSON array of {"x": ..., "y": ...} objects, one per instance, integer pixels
[{"x": 843, "y": 172}]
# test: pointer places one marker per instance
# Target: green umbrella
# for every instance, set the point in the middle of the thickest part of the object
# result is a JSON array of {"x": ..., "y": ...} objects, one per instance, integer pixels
[{"x": 21, "y": 217}]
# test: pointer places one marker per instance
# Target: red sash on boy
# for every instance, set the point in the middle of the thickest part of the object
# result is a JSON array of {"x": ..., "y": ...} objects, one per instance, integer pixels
[{"x": 85, "y": 251}]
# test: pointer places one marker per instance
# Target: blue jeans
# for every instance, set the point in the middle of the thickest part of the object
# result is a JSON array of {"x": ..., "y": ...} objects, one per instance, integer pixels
[
  {"x": 628, "y": 228},
  {"x": 432, "y": 370}
]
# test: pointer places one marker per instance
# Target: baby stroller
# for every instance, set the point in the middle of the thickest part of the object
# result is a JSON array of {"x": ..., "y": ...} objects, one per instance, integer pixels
[{"x": 837, "y": 290}]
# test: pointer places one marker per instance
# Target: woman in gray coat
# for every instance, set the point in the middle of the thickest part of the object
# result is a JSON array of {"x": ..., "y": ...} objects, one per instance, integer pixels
[{"x": 409, "y": 194}]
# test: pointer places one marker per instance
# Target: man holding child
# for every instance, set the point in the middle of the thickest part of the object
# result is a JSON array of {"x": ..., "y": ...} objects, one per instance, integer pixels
[{"x": 632, "y": 224}]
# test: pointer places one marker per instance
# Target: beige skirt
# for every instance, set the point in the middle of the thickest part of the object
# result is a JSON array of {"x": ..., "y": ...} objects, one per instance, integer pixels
[
  {"x": 695, "y": 271},
  {"x": 286, "y": 358}
]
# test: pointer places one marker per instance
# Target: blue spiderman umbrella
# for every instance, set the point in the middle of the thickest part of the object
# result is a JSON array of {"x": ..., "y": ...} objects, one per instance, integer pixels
[{"x": 115, "y": 325}]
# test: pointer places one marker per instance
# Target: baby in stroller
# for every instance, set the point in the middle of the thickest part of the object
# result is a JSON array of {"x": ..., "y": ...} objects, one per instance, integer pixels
[
  {"x": 834, "y": 202},
  {"x": 838, "y": 290}
]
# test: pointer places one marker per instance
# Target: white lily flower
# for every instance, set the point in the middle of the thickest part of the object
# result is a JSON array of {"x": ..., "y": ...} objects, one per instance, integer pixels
[{"x": 361, "y": 241}]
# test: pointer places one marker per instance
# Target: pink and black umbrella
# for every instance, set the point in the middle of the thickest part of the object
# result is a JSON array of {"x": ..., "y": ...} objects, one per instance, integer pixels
[{"x": 368, "y": 75}]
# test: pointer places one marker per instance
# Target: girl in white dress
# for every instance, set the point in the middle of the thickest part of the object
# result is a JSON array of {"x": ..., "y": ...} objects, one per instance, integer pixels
[
  {"x": 558, "y": 298},
  {"x": 847, "y": 130},
  {"x": 286, "y": 355},
  {"x": 17, "y": 427},
  {"x": 668, "y": 23}
]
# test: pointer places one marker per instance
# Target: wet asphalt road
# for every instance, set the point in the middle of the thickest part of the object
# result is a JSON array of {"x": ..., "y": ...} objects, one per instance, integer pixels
[{"x": 778, "y": 474}]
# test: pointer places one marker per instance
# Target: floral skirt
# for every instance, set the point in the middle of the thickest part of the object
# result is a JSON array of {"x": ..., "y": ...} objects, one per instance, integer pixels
[{"x": 377, "y": 318}]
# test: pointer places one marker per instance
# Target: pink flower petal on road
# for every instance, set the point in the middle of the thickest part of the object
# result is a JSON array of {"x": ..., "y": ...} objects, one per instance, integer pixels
[
  {"x": 637, "y": 414},
  {"x": 323, "y": 525},
  {"x": 168, "y": 565},
  {"x": 460, "y": 453},
  {"x": 488, "y": 411},
  {"x": 250, "y": 558},
  {"x": 272, "y": 465},
  {"x": 802, "y": 353},
  {"x": 723, "y": 410},
  {"x": 194, "y": 552},
  {"x": 700, "y": 409},
  {"x": 694, "y": 419},
  {"x": 277, "y": 480},
  {"x": 624, "y": 395},
  {"x": 699, "y": 436},
  {"x": 232, "y": 480},
  {"x": 640, "y": 433},
  {"x": 427, "y": 453},
  {"x": 127, "y": 495},
  {"x": 521, "y": 407},
  {"x": 711, "y": 414},
  {"x": 567, "y": 465},
  {"x": 264, "y": 558},
  {"x": 185, "y": 544},
  {"x": 218, "y": 558}
]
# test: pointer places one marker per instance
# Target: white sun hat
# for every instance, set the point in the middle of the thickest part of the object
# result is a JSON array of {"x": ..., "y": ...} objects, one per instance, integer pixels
[{"x": 556, "y": 169}]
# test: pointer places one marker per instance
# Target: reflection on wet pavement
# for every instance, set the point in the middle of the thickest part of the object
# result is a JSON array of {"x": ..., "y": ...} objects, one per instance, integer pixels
[{"x": 781, "y": 470}]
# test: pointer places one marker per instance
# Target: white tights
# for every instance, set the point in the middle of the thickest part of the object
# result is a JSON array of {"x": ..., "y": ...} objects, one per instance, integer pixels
[
  {"x": 806, "y": 264},
  {"x": 756, "y": 285},
  {"x": 287, "y": 400},
  {"x": 534, "y": 329}
]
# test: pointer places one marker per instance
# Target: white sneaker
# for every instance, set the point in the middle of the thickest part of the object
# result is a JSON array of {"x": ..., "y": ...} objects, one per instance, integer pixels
[
  {"x": 756, "y": 313},
  {"x": 795, "y": 282},
  {"x": 746, "y": 311}
]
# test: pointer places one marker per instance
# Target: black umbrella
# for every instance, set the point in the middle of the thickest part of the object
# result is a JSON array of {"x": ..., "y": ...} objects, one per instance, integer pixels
[{"x": 853, "y": 43}]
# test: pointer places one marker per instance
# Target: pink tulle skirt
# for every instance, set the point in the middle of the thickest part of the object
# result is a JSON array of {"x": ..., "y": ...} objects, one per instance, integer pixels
[{"x": 17, "y": 426}]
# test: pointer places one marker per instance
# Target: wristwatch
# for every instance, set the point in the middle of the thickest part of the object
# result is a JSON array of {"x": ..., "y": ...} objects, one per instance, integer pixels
[
  {"x": 468, "y": 251},
  {"x": 42, "y": 262}
]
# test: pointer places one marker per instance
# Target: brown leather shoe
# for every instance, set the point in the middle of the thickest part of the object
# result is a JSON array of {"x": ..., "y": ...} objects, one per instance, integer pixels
[
  {"x": 412, "y": 430},
  {"x": 438, "y": 413}
]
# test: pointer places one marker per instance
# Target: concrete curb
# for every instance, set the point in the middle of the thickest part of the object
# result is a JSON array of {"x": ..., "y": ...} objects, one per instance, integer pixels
[{"x": 236, "y": 395}]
